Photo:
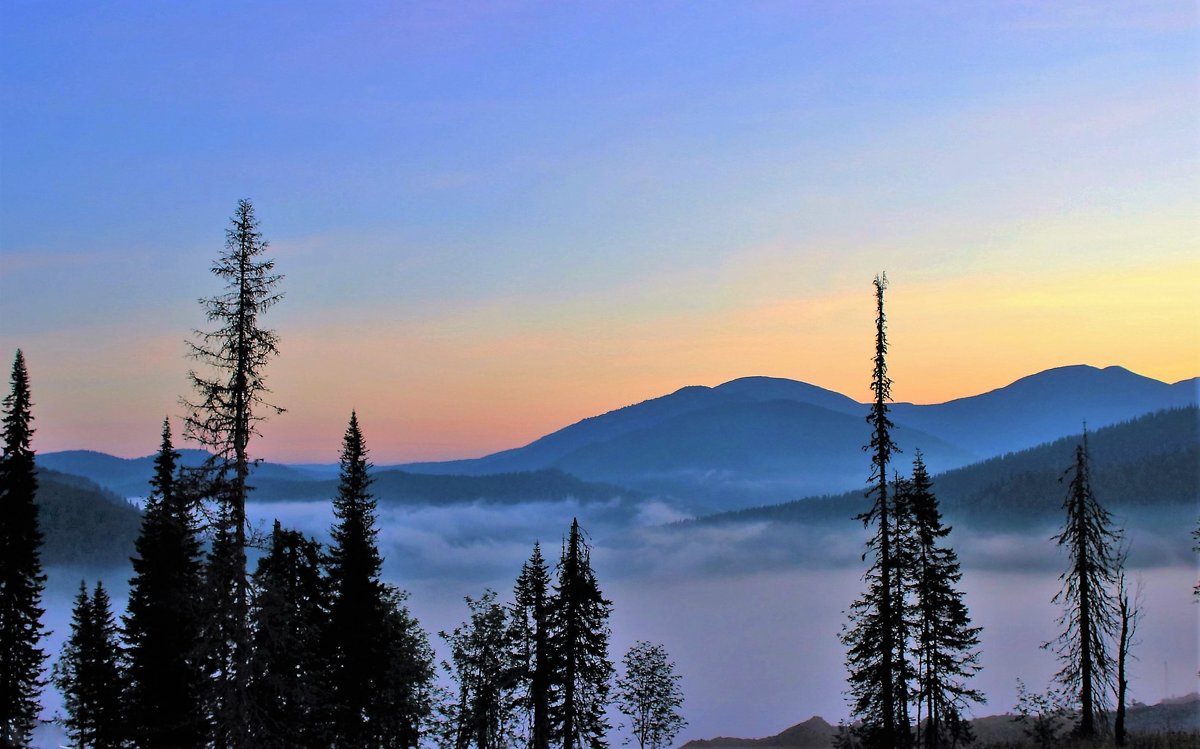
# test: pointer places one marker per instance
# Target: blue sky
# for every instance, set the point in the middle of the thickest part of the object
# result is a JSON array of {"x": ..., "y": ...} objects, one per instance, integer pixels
[{"x": 497, "y": 218}]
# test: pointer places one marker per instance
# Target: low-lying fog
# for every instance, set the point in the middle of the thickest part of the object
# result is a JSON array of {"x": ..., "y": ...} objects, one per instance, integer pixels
[{"x": 749, "y": 613}]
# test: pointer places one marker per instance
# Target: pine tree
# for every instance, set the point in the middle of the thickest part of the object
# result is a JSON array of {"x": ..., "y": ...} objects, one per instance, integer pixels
[
  {"x": 288, "y": 669},
  {"x": 224, "y": 417},
  {"x": 649, "y": 695},
  {"x": 21, "y": 578},
  {"x": 579, "y": 641},
  {"x": 873, "y": 637},
  {"x": 484, "y": 665},
  {"x": 380, "y": 662},
  {"x": 403, "y": 703},
  {"x": 88, "y": 673},
  {"x": 531, "y": 622},
  {"x": 1089, "y": 619},
  {"x": 161, "y": 627},
  {"x": 946, "y": 645}
]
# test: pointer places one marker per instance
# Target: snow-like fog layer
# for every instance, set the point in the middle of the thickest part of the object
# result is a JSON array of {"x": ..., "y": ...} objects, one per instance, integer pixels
[{"x": 750, "y": 613}]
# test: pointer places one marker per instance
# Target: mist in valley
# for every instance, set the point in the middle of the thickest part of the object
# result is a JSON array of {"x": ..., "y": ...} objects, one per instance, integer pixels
[{"x": 750, "y": 612}]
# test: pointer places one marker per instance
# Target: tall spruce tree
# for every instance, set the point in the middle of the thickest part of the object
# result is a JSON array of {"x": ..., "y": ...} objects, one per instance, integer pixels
[
  {"x": 89, "y": 675},
  {"x": 946, "y": 646},
  {"x": 161, "y": 625},
  {"x": 873, "y": 636},
  {"x": 484, "y": 665},
  {"x": 1089, "y": 618},
  {"x": 224, "y": 416},
  {"x": 380, "y": 661},
  {"x": 288, "y": 690},
  {"x": 531, "y": 623},
  {"x": 579, "y": 640},
  {"x": 21, "y": 578}
]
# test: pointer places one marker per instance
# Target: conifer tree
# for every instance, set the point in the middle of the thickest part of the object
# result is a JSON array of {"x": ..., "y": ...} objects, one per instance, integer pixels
[
  {"x": 946, "y": 645},
  {"x": 88, "y": 673},
  {"x": 380, "y": 661},
  {"x": 161, "y": 627},
  {"x": 579, "y": 641},
  {"x": 483, "y": 663},
  {"x": 21, "y": 578},
  {"x": 288, "y": 667},
  {"x": 649, "y": 695},
  {"x": 873, "y": 636},
  {"x": 1089, "y": 618},
  {"x": 402, "y": 706},
  {"x": 531, "y": 622},
  {"x": 228, "y": 407}
]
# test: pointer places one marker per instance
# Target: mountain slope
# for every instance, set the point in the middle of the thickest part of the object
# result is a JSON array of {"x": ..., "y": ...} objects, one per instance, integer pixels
[
  {"x": 83, "y": 524},
  {"x": 743, "y": 453},
  {"x": 1043, "y": 407},
  {"x": 545, "y": 451},
  {"x": 130, "y": 477},
  {"x": 1180, "y": 715},
  {"x": 1147, "y": 470},
  {"x": 698, "y": 443}
]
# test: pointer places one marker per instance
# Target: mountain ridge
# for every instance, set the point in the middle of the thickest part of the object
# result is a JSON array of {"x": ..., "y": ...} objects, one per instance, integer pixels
[{"x": 757, "y": 440}]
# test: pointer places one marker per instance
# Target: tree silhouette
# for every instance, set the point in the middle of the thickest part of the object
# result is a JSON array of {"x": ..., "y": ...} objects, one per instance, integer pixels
[
  {"x": 288, "y": 688},
  {"x": 873, "y": 637},
  {"x": 579, "y": 641},
  {"x": 531, "y": 622},
  {"x": 946, "y": 645},
  {"x": 228, "y": 407},
  {"x": 21, "y": 578},
  {"x": 161, "y": 625},
  {"x": 649, "y": 695},
  {"x": 484, "y": 664},
  {"x": 88, "y": 673},
  {"x": 1129, "y": 613},
  {"x": 1089, "y": 618},
  {"x": 380, "y": 661}
]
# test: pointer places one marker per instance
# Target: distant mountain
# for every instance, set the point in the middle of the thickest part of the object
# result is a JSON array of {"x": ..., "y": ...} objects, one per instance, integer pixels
[
  {"x": 130, "y": 477},
  {"x": 760, "y": 439},
  {"x": 1147, "y": 470},
  {"x": 744, "y": 453},
  {"x": 1180, "y": 716},
  {"x": 750, "y": 441},
  {"x": 814, "y": 733},
  {"x": 83, "y": 524},
  {"x": 546, "y": 451},
  {"x": 1043, "y": 407},
  {"x": 400, "y": 487}
]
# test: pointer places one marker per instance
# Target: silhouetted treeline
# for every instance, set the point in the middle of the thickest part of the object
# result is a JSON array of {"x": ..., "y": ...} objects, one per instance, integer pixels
[{"x": 537, "y": 672}]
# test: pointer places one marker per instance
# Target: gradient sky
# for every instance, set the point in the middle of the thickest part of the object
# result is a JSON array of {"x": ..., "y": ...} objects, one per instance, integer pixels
[{"x": 497, "y": 218}]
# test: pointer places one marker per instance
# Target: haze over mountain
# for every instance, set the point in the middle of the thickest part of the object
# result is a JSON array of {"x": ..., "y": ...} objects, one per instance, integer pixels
[
  {"x": 130, "y": 477},
  {"x": 1146, "y": 470},
  {"x": 756, "y": 440},
  {"x": 747, "y": 442}
]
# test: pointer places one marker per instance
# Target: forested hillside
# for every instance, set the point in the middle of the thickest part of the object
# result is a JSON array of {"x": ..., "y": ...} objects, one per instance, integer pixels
[
  {"x": 1150, "y": 464},
  {"x": 83, "y": 523}
]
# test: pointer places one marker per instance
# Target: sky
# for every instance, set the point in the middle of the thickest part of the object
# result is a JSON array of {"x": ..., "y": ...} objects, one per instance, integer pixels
[{"x": 497, "y": 218}]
